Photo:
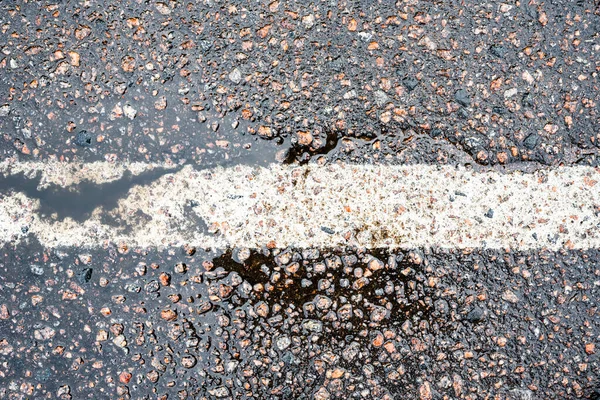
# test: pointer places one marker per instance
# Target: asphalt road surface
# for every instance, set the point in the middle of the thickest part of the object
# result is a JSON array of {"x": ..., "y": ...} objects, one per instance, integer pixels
[{"x": 296, "y": 200}]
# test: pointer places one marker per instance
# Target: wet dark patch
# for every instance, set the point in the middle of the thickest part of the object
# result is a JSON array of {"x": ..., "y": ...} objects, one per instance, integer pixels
[
  {"x": 408, "y": 279},
  {"x": 302, "y": 154},
  {"x": 249, "y": 269}
]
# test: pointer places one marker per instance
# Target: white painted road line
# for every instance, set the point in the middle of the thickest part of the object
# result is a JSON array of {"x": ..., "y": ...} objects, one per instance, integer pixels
[{"x": 324, "y": 206}]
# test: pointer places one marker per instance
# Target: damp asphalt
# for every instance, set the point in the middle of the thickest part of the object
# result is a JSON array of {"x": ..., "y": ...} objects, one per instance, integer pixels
[{"x": 511, "y": 86}]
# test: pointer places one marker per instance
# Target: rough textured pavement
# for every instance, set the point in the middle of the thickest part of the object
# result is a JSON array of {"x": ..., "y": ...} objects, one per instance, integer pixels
[
  {"x": 489, "y": 82},
  {"x": 507, "y": 86},
  {"x": 336, "y": 323}
]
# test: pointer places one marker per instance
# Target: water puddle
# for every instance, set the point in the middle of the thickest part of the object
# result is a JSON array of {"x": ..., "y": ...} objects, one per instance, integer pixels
[{"x": 79, "y": 201}]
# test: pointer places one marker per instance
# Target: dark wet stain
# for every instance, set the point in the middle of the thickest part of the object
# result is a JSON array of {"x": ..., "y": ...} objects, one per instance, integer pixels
[
  {"x": 302, "y": 154},
  {"x": 408, "y": 279},
  {"x": 249, "y": 269}
]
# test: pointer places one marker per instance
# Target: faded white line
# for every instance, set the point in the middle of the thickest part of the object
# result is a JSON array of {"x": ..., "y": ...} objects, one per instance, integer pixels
[{"x": 325, "y": 206}]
